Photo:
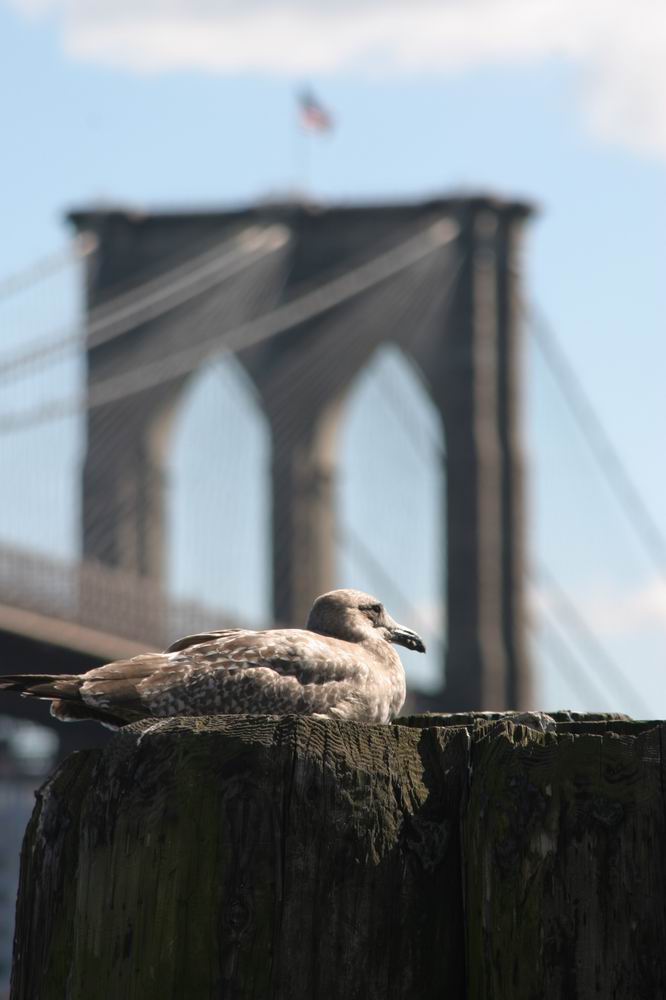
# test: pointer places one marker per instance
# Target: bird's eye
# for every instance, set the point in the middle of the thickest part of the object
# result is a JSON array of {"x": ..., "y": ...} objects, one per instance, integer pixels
[{"x": 374, "y": 609}]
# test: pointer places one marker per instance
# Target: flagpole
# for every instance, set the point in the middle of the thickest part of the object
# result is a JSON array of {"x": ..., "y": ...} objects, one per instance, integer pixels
[
  {"x": 313, "y": 118},
  {"x": 307, "y": 163},
  {"x": 301, "y": 167}
]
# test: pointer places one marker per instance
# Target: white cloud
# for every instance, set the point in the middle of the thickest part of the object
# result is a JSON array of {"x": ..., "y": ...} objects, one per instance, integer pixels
[
  {"x": 617, "y": 613},
  {"x": 619, "y": 45},
  {"x": 610, "y": 612}
]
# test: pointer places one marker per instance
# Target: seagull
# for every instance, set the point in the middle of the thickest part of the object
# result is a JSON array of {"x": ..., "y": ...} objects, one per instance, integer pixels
[{"x": 341, "y": 666}]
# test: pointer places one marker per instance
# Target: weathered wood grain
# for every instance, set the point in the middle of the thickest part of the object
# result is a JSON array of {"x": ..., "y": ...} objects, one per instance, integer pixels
[
  {"x": 565, "y": 865},
  {"x": 446, "y": 857},
  {"x": 249, "y": 858}
]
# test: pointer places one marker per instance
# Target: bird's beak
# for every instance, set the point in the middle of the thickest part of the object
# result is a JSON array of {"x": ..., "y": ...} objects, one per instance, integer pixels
[{"x": 402, "y": 636}]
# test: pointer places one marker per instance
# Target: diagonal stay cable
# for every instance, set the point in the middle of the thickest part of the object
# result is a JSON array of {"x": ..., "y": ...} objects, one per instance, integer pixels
[
  {"x": 80, "y": 246},
  {"x": 596, "y": 655},
  {"x": 153, "y": 298},
  {"x": 611, "y": 464},
  {"x": 249, "y": 334},
  {"x": 350, "y": 541},
  {"x": 569, "y": 666}
]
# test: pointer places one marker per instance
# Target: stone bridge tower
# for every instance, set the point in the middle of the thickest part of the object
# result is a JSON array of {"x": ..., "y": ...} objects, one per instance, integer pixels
[{"x": 463, "y": 334}]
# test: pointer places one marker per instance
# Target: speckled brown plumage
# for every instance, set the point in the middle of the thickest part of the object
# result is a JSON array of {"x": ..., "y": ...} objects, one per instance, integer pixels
[{"x": 341, "y": 666}]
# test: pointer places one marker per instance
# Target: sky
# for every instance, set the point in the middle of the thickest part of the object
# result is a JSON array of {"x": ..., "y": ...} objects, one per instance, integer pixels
[{"x": 160, "y": 103}]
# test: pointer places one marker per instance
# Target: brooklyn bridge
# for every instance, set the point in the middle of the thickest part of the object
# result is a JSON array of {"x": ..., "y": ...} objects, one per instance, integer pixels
[{"x": 117, "y": 538}]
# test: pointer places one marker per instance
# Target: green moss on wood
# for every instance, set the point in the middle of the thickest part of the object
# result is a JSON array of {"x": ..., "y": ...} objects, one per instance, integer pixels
[
  {"x": 443, "y": 857},
  {"x": 256, "y": 858},
  {"x": 564, "y": 864}
]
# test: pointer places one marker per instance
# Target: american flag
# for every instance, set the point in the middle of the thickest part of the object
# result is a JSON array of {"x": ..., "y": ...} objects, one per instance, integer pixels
[{"x": 314, "y": 117}]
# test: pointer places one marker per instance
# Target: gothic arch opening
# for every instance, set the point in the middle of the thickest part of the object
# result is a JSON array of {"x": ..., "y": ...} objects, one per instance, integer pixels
[
  {"x": 391, "y": 502},
  {"x": 218, "y": 495}
]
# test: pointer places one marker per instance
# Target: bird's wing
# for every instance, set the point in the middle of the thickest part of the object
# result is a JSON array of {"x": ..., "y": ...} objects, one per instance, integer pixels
[
  {"x": 237, "y": 671},
  {"x": 132, "y": 687},
  {"x": 306, "y": 656},
  {"x": 199, "y": 637},
  {"x": 116, "y": 686}
]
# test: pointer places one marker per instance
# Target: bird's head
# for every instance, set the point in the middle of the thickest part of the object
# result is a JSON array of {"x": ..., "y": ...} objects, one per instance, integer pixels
[{"x": 356, "y": 617}]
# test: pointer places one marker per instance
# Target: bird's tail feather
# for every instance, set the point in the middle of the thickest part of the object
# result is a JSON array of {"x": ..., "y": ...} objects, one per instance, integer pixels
[{"x": 64, "y": 686}]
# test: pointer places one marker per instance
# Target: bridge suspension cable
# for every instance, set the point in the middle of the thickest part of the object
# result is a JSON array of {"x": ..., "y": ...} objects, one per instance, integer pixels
[
  {"x": 153, "y": 298},
  {"x": 578, "y": 630},
  {"x": 249, "y": 334},
  {"x": 567, "y": 663},
  {"x": 352, "y": 542},
  {"x": 563, "y": 614},
  {"x": 80, "y": 246},
  {"x": 614, "y": 470}
]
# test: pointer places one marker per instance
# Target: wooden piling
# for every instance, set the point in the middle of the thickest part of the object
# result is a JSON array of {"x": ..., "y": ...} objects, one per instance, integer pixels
[{"x": 443, "y": 857}]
